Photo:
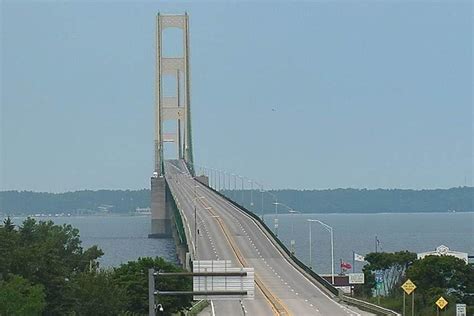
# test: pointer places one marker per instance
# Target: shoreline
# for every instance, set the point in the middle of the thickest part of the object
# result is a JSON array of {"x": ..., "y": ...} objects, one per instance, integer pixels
[{"x": 258, "y": 214}]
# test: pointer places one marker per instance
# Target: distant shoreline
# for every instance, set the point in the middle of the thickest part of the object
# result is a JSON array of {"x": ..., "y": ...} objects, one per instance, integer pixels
[
  {"x": 266, "y": 214},
  {"x": 335, "y": 201}
]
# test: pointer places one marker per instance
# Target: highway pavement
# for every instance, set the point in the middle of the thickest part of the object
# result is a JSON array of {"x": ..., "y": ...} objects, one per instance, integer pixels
[{"x": 225, "y": 232}]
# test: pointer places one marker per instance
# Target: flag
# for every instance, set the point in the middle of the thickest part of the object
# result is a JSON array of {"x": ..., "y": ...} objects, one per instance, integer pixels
[
  {"x": 377, "y": 244},
  {"x": 358, "y": 257},
  {"x": 345, "y": 265}
]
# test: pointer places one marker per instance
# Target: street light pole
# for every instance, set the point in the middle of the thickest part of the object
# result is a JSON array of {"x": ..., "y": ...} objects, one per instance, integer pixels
[
  {"x": 310, "y": 247},
  {"x": 214, "y": 176},
  {"x": 251, "y": 194},
  {"x": 231, "y": 193},
  {"x": 291, "y": 211},
  {"x": 276, "y": 216},
  {"x": 261, "y": 206},
  {"x": 292, "y": 241},
  {"x": 223, "y": 179},
  {"x": 195, "y": 224},
  {"x": 332, "y": 256},
  {"x": 234, "y": 191},
  {"x": 330, "y": 230},
  {"x": 242, "y": 179}
]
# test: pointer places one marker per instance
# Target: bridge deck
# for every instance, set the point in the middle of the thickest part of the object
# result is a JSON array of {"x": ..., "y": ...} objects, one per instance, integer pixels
[{"x": 228, "y": 233}]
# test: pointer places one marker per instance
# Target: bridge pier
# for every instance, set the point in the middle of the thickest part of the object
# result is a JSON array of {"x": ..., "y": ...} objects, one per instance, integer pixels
[{"x": 161, "y": 209}]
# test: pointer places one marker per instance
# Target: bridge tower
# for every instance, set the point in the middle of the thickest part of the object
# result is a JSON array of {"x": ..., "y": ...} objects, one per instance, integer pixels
[
  {"x": 170, "y": 107},
  {"x": 174, "y": 107}
]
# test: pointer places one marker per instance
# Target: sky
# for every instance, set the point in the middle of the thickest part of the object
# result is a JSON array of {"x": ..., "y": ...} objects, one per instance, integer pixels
[{"x": 304, "y": 95}]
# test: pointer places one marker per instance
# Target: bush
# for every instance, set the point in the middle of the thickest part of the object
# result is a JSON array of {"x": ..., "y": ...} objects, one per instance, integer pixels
[{"x": 19, "y": 297}]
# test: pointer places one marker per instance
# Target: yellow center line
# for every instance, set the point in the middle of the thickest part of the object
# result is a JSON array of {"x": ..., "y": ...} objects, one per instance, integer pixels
[{"x": 277, "y": 306}]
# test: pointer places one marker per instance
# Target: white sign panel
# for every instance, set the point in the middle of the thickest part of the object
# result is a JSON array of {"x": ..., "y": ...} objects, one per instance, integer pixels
[
  {"x": 222, "y": 283},
  {"x": 461, "y": 310},
  {"x": 356, "y": 278}
]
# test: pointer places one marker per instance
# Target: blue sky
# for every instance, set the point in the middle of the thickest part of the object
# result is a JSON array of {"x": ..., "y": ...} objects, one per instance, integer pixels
[{"x": 373, "y": 94}]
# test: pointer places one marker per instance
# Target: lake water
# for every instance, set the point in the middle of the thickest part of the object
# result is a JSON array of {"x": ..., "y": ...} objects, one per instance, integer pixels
[
  {"x": 121, "y": 238},
  {"x": 124, "y": 238},
  {"x": 416, "y": 232}
]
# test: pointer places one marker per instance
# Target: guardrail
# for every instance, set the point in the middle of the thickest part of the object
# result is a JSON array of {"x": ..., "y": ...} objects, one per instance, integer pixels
[
  {"x": 178, "y": 219},
  {"x": 378, "y": 310},
  {"x": 197, "y": 308},
  {"x": 368, "y": 306},
  {"x": 313, "y": 274}
]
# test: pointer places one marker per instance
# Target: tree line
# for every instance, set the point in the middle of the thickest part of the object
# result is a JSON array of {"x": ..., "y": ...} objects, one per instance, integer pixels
[
  {"x": 359, "y": 200},
  {"x": 459, "y": 199},
  {"x": 434, "y": 276},
  {"x": 77, "y": 202},
  {"x": 45, "y": 271}
]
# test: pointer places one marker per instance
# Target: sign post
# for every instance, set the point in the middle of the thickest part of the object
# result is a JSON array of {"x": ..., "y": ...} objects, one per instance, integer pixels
[
  {"x": 356, "y": 278},
  {"x": 224, "y": 278},
  {"x": 441, "y": 303},
  {"x": 378, "y": 283},
  {"x": 461, "y": 310},
  {"x": 409, "y": 288}
]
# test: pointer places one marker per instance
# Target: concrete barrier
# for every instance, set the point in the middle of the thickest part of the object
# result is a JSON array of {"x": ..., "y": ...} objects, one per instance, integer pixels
[
  {"x": 379, "y": 310},
  {"x": 318, "y": 280}
]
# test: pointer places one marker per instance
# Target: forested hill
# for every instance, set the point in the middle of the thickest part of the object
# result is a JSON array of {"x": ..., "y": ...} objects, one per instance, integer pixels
[
  {"x": 379, "y": 201},
  {"x": 78, "y": 202},
  {"x": 318, "y": 201}
]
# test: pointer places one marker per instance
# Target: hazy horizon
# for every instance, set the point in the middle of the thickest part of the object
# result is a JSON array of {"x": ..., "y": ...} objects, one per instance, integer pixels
[{"x": 279, "y": 189}]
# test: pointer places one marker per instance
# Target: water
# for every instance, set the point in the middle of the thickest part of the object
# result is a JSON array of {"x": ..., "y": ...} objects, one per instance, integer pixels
[
  {"x": 124, "y": 238},
  {"x": 121, "y": 238},
  {"x": 416, "y": 232}
]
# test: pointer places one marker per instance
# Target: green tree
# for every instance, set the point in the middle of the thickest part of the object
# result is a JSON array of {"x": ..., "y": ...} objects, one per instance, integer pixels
[
  {"x": 45, "y": 254},
  {"x": 133, "y": 276},
  {"x": 19, "y": 297},
  {"x": 434, "y": 276},
  {"x": 97, "y": 293},
  {"x": 392, "y": 266},
  {"x": 44, "y": 270},
  {"x": 8, "y": 224},
  {"x": 442, "y": 275},
  {"x": 8, "y": 247}
]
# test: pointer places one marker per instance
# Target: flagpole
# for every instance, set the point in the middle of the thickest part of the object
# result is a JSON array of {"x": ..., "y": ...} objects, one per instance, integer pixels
[
  {"x": 332, "y": 255},
  {"x": 353, "y": 261}
]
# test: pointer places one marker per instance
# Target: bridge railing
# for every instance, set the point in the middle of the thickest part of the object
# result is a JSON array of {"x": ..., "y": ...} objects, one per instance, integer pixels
[
  {"x": 178, "y": 219},
  {"x": 323, "y": 282},
  {"x": 320, "y": 280},
  {"x": 229, "y": 194},
  {"x": 313, "y": 274},
  {"x": 179, "y": 224}
]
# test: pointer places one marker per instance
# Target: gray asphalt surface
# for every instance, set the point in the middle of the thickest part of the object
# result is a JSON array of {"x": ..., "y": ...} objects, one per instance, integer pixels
[{"x": 294, "y": 290}]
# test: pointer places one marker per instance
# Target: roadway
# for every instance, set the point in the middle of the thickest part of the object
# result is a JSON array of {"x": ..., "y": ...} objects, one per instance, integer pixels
[{"x": 225, "y": 232}]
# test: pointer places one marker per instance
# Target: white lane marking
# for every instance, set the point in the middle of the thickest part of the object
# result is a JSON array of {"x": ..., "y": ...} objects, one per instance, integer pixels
[
  {"x": 280, "y": 253},
  {"x": 285, "y": 259},
  {"x": 212, "y": 309}
]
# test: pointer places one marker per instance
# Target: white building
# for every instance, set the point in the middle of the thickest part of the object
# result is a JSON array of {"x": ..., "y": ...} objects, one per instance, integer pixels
[{"x": 444, "y": 251}]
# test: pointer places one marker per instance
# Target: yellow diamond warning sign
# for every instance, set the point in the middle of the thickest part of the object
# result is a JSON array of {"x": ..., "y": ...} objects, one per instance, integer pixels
[
  {"x": 441, "y": 302},
  {"x": 408, "y": 286}
]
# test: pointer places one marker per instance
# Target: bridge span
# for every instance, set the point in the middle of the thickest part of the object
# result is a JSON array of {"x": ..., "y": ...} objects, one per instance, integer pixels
[
  {"x": 208, "y": 226},
  {"x": 224, "y": 231}
]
